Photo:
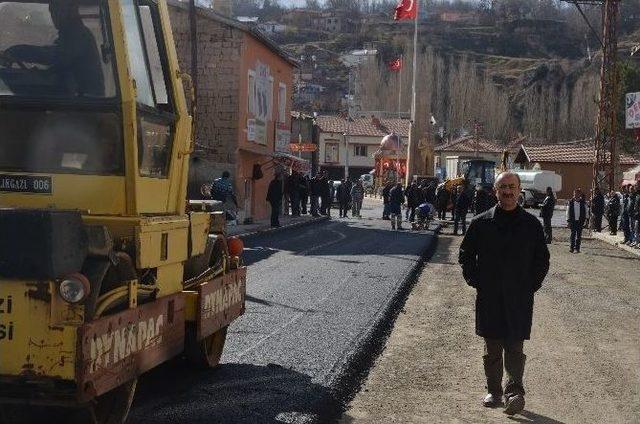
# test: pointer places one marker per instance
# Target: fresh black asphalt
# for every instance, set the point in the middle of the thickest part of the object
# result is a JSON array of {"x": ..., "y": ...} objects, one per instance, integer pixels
[{"x": 317, "y": 297}]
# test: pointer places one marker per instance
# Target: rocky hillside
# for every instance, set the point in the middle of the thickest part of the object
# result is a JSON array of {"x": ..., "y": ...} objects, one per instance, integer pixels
[{"x": 523, "y": 77}]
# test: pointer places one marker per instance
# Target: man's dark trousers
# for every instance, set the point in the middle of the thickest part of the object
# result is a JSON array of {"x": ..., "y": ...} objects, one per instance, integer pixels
[
  {"x": 295, "y": 203},
  {"x": 613, "y": 224},
  {"x": 625, "y": 223},
  {"x": 576, "y": 234},
  {"x": 513, "y": 362},
  {"x": 548, "y": 235},
  {"x": 344, "y": 206},
  {"x": 314, "y": 205},
  {"x": 460, "y": 217},
  {"x": 275, "y": 213},
  {"x": 597, "y": 222}
]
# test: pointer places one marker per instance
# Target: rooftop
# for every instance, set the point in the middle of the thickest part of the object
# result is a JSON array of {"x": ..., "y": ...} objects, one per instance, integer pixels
[
  {"x": 581, "y": 151},
  {"x": 469, "y": 144},
  {"x": 363, "y": 126}
]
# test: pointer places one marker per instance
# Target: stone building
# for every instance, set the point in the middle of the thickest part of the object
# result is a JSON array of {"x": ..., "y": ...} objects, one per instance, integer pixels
[{"x": 243, "y": 104}]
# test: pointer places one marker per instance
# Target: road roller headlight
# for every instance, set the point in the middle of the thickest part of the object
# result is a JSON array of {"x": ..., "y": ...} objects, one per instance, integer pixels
[{"x": 74, "y": 288}]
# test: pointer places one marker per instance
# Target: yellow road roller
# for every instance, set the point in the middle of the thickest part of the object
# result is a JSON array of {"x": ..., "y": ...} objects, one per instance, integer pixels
[{"x": 104, "y": 273}]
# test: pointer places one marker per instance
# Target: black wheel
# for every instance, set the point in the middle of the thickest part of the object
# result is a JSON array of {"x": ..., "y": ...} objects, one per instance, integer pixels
[
  {"x": 113, "y": 407},
  {"x": 205, "y": 353}
]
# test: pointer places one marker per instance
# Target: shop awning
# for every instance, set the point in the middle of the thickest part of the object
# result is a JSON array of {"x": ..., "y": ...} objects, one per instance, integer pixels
[{"x": 295, "y": 163}]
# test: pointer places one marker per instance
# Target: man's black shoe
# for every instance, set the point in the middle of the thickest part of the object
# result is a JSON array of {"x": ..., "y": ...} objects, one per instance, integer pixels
[
  {"x": 514, "y": 404},
  {"x": 491, "y": 400}
]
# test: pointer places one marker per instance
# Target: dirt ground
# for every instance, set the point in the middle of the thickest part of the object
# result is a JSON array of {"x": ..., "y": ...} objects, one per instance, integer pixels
[{"x": 583, "y": 359}]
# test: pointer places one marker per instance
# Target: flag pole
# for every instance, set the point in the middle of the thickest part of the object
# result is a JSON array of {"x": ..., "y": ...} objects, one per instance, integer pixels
[
  {"x": 412, "y": 132},
  {"x": 400, "y": 86}
]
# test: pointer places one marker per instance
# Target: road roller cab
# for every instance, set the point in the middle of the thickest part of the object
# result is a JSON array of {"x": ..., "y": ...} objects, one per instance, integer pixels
[{"x": 104, "y": 274}]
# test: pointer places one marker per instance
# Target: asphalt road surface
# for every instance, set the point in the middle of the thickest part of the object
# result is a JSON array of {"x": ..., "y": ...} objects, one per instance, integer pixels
[{"x": 318, "y": 301}]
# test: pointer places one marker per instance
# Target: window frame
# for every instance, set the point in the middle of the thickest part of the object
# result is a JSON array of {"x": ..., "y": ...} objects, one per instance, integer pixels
[
  {"x": 333, "y": 144},
  {"x": 360, "y": 146},
  {"x": 85, "y": 102},
  {"x": 160, "y": 115}
]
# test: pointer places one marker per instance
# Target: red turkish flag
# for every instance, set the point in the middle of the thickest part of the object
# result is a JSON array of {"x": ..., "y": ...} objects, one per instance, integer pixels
[
  {"x": 406, "y": 9},
  {"x": 395, "y": 65}
]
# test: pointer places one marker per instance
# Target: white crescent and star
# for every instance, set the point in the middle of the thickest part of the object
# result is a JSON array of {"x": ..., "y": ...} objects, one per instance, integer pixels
[{"x": 411, "y": 6}]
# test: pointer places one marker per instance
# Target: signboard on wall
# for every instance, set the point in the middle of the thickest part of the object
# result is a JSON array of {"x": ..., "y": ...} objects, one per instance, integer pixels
[
  {"x": 251, "y": 130},
  {"x": 283, "y": 138},
  {"x": 260, "y": 100},
  {"x": 633, "y": 110},
  {"x": 261, "y": 132}
]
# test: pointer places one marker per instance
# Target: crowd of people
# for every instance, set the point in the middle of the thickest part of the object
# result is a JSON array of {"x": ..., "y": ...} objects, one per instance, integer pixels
[
  {"x": 621, "y": 209},
  {"x": 304, "y": 195}
]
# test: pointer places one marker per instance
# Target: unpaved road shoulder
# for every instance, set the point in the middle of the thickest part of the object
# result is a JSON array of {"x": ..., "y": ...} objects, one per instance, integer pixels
[{"x": 583, "y": 362}]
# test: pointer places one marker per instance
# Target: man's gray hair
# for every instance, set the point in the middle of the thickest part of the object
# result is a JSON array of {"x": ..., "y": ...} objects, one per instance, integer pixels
[{"x": 506, "y": 173}]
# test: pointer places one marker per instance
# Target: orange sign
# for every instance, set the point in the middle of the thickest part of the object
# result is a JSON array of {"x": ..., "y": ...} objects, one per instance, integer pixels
[{"x": 303, "y": 147}]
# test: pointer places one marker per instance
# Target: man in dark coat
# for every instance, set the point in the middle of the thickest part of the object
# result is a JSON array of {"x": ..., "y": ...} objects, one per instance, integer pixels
[
  {"x": 506, "y": 271},
  {"x": 613, "y": 212},
  {"x": 480, "y": 201},
  {"x": 396, "y": 198},
  {"x": 461, "y": 208},
  {"x": 442, "y": 196},
  {"x": 314, "y": 191},
  {"x": 304, "y": 194},
  {"x": 274, "y": 197},
  {"x": 293, "y": 190},
  {"x": 343, "y": 196},
  {"x": 546, "y": 213},
  {"x": 414, "y": 197},
  {"x": 597, "y": 209},
  {"x": 385, "y": 200},
  {"x": 324, "y": 186},
  {"x": 576, "y": 216},
  {"x": 430, "y": 193}
]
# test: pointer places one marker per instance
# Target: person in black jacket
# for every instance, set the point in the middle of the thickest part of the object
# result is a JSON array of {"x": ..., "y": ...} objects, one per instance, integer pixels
[
  {"x": 385, "y": 200},
  {"x": 627, "y": 212},
  {"x": 396, "y": 198},
  {"x": 304, "y": 194},
  {"x": 613, "y": 212},
  {"x": 576, "y": 216},
  {"x": 461, "y": 208},
  {"x": 506, "y": 272},
  {"x": 480, "y": 201},
  {"x": 274, "y": 197},
  {"x": 324, "y": 188},
  {"x": 314, "y": 191},
  {"x": 597, "y": 209},
  {"x": 442, "y": 197},
  {"x": 343, "y": 196},
  {"x": 546, "y": 212}
]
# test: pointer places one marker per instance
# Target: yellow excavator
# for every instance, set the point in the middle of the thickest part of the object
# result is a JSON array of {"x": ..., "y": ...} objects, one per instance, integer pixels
[{"x": 104, "y": 273}]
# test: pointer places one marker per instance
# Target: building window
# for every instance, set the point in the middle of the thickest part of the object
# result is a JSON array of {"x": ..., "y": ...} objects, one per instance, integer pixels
[
  {"x": 332, "y": 153},
  {"x": 360, "y": 150}
]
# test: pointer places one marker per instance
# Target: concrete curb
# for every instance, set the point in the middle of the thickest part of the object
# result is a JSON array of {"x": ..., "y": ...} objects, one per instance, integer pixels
[
  {"x": 269, "y": 230},
  {"x": 609, "y": 239},
  {"x": 372, "y": 344}
]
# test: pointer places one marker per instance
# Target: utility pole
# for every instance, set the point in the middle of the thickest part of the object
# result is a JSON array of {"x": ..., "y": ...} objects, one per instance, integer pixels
[{"x": 606, "y": 166}]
